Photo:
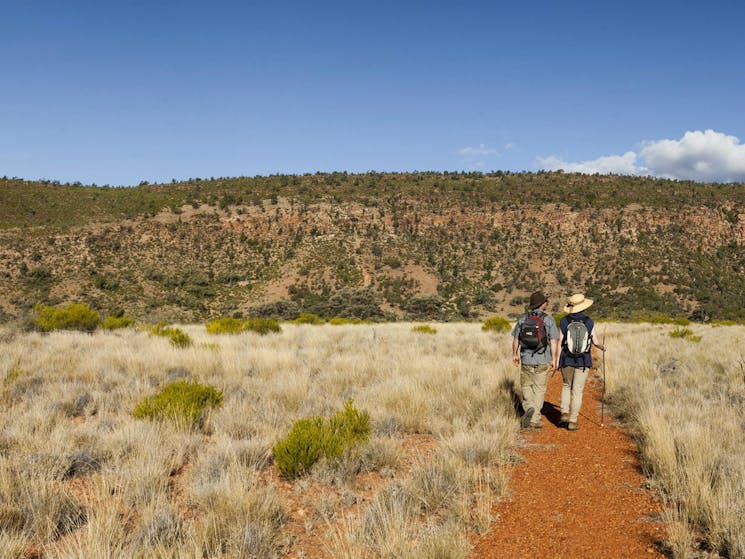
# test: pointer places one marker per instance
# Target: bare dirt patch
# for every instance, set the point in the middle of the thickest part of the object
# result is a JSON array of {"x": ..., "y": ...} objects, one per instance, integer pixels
[{"x": 576, "y": 494}]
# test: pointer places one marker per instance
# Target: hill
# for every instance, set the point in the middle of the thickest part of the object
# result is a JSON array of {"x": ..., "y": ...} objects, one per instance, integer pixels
[{"x": 375, "y": 245}]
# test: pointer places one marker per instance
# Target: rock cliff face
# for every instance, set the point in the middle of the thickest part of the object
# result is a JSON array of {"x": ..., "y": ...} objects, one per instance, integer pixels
[{"x": 431, "y": 256}]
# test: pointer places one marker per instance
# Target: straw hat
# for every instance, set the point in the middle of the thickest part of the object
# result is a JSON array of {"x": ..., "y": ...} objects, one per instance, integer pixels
[{"x": 577, "y": 303}]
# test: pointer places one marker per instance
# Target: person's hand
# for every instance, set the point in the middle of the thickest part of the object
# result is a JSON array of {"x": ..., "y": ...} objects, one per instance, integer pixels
[
  {"x": 515, "y": 360},
  {"x": 601, "y": 347}
]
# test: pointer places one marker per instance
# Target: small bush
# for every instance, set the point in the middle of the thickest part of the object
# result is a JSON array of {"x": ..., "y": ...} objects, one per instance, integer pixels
[
  {"x": 76, "y": 316},
  {"x": 263, "y": 325},
  {"x": 496, "y": 324},
  {"x": 236, "y": 326},
  {"x": 225, "y": 326},
  {"x": 312, "y": 438},
  {"x": 181, "y": 401},
  {"x": 116, "y": 322},
  {"x": 424, "y": 329},
  {"x": 663, "y": 319},
  {"x": 309, "y": 318},
  {"x": 339, "y": 321},
  {"x": 686, "y": 334},
  {"x": 178, "y": 337},
  {"x": 681, "y": 333}
]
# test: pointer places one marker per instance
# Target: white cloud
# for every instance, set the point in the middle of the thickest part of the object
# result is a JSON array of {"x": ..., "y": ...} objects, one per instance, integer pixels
[
  {"x": 702, "y": 156},
  {"x": 706, "y": 156},
  {"x": 479, "y": 151},
  {"x": 619, "y": 164}
]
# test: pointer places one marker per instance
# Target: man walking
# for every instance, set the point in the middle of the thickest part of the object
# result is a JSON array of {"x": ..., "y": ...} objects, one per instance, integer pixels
[
  {"x": 575, "y": 359},
  {"x": 535, "y": 346}
]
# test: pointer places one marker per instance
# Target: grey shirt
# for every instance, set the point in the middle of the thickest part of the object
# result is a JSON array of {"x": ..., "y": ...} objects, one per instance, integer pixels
[{"x": 527, "y": 357}]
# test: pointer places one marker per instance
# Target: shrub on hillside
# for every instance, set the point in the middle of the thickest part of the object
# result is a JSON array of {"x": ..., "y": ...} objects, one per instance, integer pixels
[
  {"x": 313, "y": 438},
  {"x": 424, "y": 307},
  {"x": 76, "y": 316},
  {"x": 424, "y": 329},
  {"x": 355, "y": 302},
  {"x": 496, "y": 324},
  {"x": 278, "y": 310},
  {"x": 183, "y": 402}
]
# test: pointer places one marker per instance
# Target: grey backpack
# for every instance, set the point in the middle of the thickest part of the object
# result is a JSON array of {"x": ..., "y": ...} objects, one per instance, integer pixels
[{"x": 577, "y": 340}]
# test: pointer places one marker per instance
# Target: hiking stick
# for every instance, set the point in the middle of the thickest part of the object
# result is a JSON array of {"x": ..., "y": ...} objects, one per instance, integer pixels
[{"x": 602, "y": 399}]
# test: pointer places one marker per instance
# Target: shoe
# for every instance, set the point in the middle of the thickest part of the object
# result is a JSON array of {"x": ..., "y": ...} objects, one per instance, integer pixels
[
  {"x": 525, "y": 419},
  {"x": 564, "y": 419},
  {"x": 572, "y": 426},
  {"x": 538, "y": 425}
]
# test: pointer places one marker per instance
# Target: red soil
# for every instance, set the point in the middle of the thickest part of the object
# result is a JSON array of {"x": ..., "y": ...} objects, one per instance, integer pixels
[{"x": 577, "y": 495}]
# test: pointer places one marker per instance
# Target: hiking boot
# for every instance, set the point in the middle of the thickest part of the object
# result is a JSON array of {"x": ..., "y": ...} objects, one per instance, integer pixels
[
  {"x": 526, "y": 418},
  {"x": 564, "y": 419},
  {"x": 538, "y": 425},
  {"x": 572, "y": 426}
]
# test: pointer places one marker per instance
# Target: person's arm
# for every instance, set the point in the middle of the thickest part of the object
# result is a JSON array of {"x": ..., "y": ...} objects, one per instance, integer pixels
[
  {"x": 554, "y": 354},
  {"x": 515, "y": 352},
  {"x": 601, "y": 347}
]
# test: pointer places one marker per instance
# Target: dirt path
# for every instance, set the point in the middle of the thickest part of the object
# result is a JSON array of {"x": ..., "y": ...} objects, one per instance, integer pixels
[{"x": 577, "y": 495}]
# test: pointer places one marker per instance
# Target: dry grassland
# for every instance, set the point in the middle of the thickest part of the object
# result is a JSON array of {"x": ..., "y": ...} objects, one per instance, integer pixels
[
  {"x": 80, "y": 477},
  {"x": 685, "y": 402}
]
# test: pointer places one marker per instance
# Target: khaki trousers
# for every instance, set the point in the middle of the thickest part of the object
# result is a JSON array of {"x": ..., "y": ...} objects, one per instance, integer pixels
[
  {"x": 533, "y": 388},
  {"x": 572, "y": 387}
]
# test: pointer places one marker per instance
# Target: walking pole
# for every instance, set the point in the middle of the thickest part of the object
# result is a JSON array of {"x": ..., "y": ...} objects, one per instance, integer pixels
[{"x": 602, "y": 399}]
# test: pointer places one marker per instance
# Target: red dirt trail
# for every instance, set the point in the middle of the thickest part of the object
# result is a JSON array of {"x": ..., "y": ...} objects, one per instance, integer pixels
[{"x": 577, "y": 495}]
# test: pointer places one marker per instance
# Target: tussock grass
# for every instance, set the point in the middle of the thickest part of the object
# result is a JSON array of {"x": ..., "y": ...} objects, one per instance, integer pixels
[
  {"x": 101, "y": 483},
  {"x": 685, "y": 403}
]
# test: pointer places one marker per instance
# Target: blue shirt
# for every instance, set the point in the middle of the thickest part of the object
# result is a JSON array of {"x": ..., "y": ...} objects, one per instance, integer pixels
[{"x": 584, "y": 360}]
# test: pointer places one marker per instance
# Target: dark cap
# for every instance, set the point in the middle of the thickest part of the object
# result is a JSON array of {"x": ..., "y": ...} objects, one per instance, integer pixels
[{"x": 537, "y": 299}]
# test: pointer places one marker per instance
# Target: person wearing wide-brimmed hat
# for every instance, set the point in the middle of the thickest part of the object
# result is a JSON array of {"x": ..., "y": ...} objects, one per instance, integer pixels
[
  {"x": 535, "y": 363},
  {"x": 575, "y": 368}
]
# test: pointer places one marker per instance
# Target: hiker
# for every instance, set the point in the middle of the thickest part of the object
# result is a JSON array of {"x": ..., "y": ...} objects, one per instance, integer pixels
[
  {"x": 575, "y": 359},
  {"x": 535, "y": 343}
]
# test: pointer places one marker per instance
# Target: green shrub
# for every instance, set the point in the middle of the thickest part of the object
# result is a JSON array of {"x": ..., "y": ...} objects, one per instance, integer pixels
[
  {"x": 496, "y": 324},
  {"x": 558, "y": 316},
  {"x": 181, "y": 401},
  {"x": 225, "y": 326},
  {"x": 686, "y": 334},
  {"x": 309, "y": 318},
  {"x": 116, "y": 322},
  {"x": 681, "y": 333},
  {"x": 338, "y": 321},
  {"x": 236, "y": 326},
  {"x": 424, "y": 329},
  {"x": 312, "y": 438},
  {"x": 262, "y": 325},
  {"x": 663, "y": 319},
  {"x": 178, "y": 337},
  {"x": 76, "y": 316}
]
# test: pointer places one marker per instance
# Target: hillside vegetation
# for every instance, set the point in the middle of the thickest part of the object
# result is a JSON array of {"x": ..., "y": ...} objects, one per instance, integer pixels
[{"x": 450, "y": 246}]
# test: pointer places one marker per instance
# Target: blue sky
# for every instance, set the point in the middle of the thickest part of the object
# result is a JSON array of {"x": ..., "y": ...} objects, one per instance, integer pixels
[{"x": 120, "y": 92}]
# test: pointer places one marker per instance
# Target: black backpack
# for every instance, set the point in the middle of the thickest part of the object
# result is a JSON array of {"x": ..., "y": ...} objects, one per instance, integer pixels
[{"x": 532, "y": 334}]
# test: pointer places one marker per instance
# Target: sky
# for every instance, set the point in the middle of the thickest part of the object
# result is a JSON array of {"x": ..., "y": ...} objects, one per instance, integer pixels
[{"x": 121, "y": 92}]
